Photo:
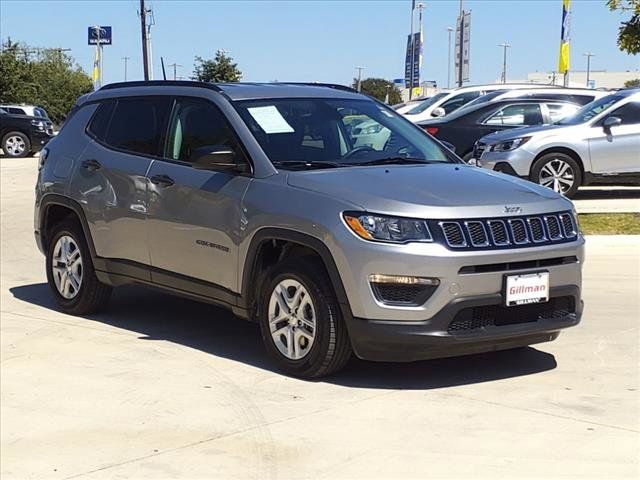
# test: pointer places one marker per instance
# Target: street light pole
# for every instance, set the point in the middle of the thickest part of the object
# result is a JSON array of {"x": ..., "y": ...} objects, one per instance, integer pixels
[
  {"x": 412, "y": 43},
  {"x": 175, "y": 73},
  {"x": 360, "y": 69},
  {"x": 449, "y": 29},
  {"x": 504, "y": 46},
  {"x": 588, "y": 55}
]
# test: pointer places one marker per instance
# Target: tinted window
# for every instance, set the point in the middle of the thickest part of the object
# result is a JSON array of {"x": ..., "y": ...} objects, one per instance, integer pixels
[
  {"x": 517, "y": 115},
  {"x": 138, "y": 124},
  {"x": 15, "y": 111},
  {"x": 629, "y": 113},
  {"x": 458, "y": 101},
  {"x": 197, "y": 123},
  {"x": 100, "y": 121}
]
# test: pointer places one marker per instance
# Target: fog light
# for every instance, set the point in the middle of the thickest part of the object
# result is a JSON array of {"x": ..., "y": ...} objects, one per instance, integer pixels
[{"x": 403, "y": 280}]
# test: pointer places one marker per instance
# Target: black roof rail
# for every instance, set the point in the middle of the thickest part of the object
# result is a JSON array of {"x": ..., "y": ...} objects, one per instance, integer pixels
[
  {"x": 335, "y": 86},
  {"x": 161, "y": 83}
]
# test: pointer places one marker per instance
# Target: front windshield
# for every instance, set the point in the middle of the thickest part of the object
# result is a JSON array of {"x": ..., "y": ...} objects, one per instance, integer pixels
[
  {"x": 422, "y": 106},
  {"x": 590, "y": 110},
  {"x": 327, "y": 132},
  {"x": 483, "y": 99}
]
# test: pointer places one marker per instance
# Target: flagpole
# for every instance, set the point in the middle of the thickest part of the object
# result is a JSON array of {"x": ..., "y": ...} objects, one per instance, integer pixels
[{"x": 413, "y": 46}]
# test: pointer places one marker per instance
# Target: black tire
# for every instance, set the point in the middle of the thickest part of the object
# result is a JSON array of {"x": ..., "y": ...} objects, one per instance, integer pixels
[
  {"x": 550, "y": 158},
  {"x": 92, "y": 294},
  {"x": 25, "y": 139},
  {"x": 331, "y": 349}
]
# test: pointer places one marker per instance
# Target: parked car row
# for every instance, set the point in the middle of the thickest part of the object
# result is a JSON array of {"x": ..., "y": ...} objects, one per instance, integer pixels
[
  {"x": 561, "y": 138},
  {"x": 24, "y": 130}
]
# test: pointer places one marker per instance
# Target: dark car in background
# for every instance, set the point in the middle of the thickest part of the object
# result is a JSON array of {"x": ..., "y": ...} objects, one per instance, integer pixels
[
  {"x": 21, "y": 135},
  {"x": 467, "y": 125}
]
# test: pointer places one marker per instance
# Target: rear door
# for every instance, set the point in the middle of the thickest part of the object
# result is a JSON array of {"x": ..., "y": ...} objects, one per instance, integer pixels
[
  {"x": 195, "y": 215},
  {"x": 619, "y": 150},
  {"x": 110, "y": 182}
]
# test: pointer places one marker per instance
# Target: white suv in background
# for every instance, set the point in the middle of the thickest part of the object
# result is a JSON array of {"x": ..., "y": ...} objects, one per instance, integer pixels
[
  {"x": 444, "y": 103},
  {"x": 31, "y": 110},
  {"x": 600, "y": 143}
]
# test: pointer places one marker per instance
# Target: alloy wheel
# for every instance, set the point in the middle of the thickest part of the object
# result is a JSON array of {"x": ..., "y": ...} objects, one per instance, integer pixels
[
  {"x": 292, "y": 319},
  {"x": 67, "y": 267},
  {"x": 557, "y": 175},
  {"x": 14, "y": 145}
]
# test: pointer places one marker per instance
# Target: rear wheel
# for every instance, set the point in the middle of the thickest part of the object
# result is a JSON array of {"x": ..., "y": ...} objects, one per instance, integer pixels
[
  {"x": 301, "y": 324},
  {"x": 559, "y": 172},
  {"x": 70, "y": 272},
  {"x": 16, "y": 144}
]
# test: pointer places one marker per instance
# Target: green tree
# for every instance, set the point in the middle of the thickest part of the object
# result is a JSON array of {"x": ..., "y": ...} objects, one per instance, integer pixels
[
  {"x": 635, "y": 83},
  {"x": 629, "y": 31},
  {"x": 47, "y": 78},
  {"x": 379, "y": 88},
  {"x": 220, "y": 69}
]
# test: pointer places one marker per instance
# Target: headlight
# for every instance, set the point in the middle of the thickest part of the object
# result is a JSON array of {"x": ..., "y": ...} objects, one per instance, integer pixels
[
  {"x": 509, "y": 145},
  {"x": 388, "y": 229}
]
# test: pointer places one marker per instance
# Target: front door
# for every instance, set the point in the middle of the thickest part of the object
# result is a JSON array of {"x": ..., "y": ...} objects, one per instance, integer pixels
[
  {"x": 617, "y": 151},
  {"x": 194, "y": 215}
]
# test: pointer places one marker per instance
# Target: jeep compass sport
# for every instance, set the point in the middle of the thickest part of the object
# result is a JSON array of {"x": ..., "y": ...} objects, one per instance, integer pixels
[{"x": 272, "y": 200}]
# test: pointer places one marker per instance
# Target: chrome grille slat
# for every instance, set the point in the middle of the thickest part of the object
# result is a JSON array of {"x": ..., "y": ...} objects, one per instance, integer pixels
[
  {"x": 499, "y": 235},
  {"x": 518, "y": 231},
  {"x": 553, "y": 227},
  {"x": 453, "y": 234},
  {"x": 568, "y": 227},
  {"x": 536, "y": 227},
  {"x": 477, "y": 233}
]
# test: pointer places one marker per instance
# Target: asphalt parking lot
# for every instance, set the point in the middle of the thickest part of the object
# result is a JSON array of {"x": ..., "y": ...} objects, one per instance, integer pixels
[{"x": 163, "y": 387}]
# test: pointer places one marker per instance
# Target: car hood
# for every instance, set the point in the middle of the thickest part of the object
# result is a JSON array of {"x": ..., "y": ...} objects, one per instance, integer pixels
[
  {"x": 520, "y": 132},
  {"x": 430, "y": 191}
]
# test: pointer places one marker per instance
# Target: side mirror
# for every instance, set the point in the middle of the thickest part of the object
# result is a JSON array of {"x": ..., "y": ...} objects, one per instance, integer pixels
[
  {"x": 214, "y": 157},
  {"x": 450, "y": 146},
  {"x": 438, "y": 112},
  {"x": 610, "y": 122}
]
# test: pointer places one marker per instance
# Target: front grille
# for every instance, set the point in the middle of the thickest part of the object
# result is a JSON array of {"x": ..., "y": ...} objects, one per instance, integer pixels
[
  {"x": 471, "y": 319},
  {"x": 520, "y": 265},
  {"x": 505, "y": 232},
  {"x": 402, "y": 294}
]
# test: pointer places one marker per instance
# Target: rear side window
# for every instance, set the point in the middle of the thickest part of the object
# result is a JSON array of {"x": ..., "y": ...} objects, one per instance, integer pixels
[
  {"x": 138, "y": 125},
  {"x": 629, "y": 113},
  {"x": 100, "y": 121},
  {"x": 517, "y": 115},
  {"x": 15, "y": 111}
]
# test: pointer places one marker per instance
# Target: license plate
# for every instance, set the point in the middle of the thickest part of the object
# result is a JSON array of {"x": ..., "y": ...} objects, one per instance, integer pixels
[{"x": 527, "y": 288}]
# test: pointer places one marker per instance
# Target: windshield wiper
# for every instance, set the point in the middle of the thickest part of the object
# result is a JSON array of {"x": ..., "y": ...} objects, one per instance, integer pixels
[
  {"x": 394, "y": 161},
  {"x": 308, "y": 164}
]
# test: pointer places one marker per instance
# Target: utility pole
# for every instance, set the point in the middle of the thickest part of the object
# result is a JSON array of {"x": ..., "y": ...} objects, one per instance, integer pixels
[
  {"x": 413, "y": 6},
  {"x": 588, "y": 55},
  {"x": 449, "y": 30},
  {"x": 126, "y": 59},
  {"x": 360, "y": 69},
  {"x": 461, "y": 46},
  {"x": 143, "y": 28},
  {"x": 504, "y": 46},
  {"x": 175, "y": 73}
]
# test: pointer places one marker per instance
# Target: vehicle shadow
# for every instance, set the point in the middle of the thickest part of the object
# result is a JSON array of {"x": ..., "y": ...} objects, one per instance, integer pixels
[
  {"x": 158, "y": 316},
  {"x": 607, "y": 194}
]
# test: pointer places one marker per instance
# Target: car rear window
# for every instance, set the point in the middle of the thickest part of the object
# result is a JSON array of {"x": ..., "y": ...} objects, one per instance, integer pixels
[{"x": 100, "y": 121}]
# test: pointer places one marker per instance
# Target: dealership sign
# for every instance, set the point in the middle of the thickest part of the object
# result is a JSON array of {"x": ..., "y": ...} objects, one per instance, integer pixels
[{"x": 100, "y": 35}]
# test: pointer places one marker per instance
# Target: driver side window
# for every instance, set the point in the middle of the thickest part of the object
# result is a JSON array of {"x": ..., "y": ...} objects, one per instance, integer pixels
[{"x": 197, "y": 123}]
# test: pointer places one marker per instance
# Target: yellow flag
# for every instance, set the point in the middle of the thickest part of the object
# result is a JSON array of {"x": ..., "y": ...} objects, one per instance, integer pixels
[
  {"x": 96, "y": 67},
  {"x": 563, "y": 60}
]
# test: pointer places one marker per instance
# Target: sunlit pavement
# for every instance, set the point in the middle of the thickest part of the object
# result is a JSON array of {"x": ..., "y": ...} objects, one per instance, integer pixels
[{"x": 162, "y": 387}]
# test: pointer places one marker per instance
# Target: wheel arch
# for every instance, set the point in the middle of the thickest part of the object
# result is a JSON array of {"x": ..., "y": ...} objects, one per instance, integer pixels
[
  {"x": 54, "y": 208},
  {"x": 294, "y": 242},
  {"x": 558, "y": 149}
]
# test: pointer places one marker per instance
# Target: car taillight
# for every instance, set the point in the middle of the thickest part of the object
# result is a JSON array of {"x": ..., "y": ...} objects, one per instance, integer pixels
[{"x": 432, "y": 130}]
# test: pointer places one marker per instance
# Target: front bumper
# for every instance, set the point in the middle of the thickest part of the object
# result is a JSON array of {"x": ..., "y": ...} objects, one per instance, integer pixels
[
  {"x": 39, "y": 139},
  {"x": 381, "y": 340},
  {"x": 516, "y": 162}
]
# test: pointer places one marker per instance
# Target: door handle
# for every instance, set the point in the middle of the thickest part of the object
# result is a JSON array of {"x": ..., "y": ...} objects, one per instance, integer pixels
[
  {"x": 162, "y": 180},
  {"x": 91, "y": 165}
]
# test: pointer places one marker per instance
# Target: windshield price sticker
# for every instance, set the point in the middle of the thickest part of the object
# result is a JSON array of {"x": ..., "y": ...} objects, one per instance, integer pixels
[
  {"x": 270, "y": 119},
  {"x": 526, "y": 289}
]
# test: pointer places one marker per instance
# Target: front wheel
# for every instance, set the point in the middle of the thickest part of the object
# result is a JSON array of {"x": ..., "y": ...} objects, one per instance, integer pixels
[
  {"x": 559, "y": 172},
  {"x": 301, "y": 324},
  {"x": 16, "y": 144}
]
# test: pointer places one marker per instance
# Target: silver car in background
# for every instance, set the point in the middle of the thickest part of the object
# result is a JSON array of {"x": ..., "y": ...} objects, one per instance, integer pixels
[{"x": 598, "y": 144}]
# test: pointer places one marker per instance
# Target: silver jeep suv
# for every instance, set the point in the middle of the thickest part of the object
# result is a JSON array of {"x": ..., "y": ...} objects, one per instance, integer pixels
[{"x": 267, "y": 199}]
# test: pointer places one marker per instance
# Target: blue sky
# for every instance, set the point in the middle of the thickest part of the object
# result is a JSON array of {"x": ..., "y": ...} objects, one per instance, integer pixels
[{"x": 320, "y": 40}]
